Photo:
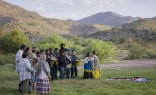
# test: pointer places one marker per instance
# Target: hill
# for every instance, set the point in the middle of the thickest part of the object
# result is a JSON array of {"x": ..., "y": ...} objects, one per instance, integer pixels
[
  {"x": 108, "y": 18},
  {"x": 143, "y": 28},
  {"x": 154, "y": 18},
  {"x": 37, "y": 27}
]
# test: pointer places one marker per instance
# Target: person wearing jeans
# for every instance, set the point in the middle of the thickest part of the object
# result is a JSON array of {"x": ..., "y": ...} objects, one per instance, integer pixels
[
  {"x": 62, "y": 62},
  {"x": 68, "y": 70}
]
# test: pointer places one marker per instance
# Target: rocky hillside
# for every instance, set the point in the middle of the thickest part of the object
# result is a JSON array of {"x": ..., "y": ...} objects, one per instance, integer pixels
[
  {"x": 143, "y": 28},
  {"x": 37, "y": 27},
  {"x": 108, "y": 18}
]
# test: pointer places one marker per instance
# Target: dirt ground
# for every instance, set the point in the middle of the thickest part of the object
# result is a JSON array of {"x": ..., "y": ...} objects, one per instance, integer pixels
[{"x": 129, "y": 64}]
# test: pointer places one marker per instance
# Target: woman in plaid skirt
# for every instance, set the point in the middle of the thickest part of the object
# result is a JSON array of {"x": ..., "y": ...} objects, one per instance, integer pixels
[{"x": 43, "y": 73}]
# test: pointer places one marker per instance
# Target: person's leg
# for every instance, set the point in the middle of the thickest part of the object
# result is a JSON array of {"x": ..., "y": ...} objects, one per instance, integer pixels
[
  {"x": 56, "y": 71},
  {"x": 62, "y": 72},
  {"x": 51, "y": 72},
  {"x": 25, "y": 86},
  {"x": 76, "y": 71},
  {"x": 72, "y": 71},
  {"x": 67, "y": 73}
]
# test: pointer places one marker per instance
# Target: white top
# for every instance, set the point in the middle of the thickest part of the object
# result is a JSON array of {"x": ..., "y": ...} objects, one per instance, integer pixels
[
  {"x": 69, "y": 58},
  {"x": 88, "y": 59},
  {"x": 18, "y": 58},
  {"x": 45, "y": 71},
  {"x": 25, "y": 69}
]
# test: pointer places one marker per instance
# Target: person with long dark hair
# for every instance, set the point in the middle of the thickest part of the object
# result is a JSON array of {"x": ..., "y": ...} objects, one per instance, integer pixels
[
  {"x": 42, "y": 75},
  {"x": 97, "y": 70},
  {"x": 48, "y": 59},
  {"x": 88, "y": 68}
]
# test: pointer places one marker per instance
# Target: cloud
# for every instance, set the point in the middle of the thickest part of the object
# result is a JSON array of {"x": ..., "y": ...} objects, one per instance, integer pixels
[
  {"x": 70, "y": 3},
  {"x": 41, "y": 8},
  {"x": 73, "y": 9},
  {"x": 87, "y": 2}
]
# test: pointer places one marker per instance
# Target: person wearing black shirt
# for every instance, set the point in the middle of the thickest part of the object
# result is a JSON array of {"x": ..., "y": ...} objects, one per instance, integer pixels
[
  {"x": 62, "y": 62},
  {"x": 55, "y": 65}
]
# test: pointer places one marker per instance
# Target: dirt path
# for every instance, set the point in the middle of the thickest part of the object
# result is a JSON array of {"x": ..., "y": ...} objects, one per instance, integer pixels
[{"x": 130, "y": 64}]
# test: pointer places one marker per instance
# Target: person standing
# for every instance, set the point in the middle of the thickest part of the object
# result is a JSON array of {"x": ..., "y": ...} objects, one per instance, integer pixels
[
  {"x": 62, "y": 62},
  {"x": 55, "y": 65},
  {"x": 25, "y": 70},
  {"x": 62, "y": 48},
  {"x": 43, "y": 75},
  {"x": 19, "y": 56},
  {"x": 96, "y": 66},
  {"x": 34, "y": 65},
  {"x": 88, "y": 67},
  {"x": 74, "y": 69},
  {"x": 48, "y": 59},
  {"x": 68, "y": 66}
]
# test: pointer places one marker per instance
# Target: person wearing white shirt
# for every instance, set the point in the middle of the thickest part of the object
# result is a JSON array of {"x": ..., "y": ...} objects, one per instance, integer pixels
[{"x": 19, "y": 56}]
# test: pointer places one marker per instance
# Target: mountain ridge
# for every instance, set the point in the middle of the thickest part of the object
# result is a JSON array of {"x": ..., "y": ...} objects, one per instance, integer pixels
[
  {"x": 37, "y": 27},
  {"x": 109, "y": 18}
]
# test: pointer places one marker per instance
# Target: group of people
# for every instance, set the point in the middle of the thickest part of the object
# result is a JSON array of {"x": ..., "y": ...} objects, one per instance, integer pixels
[{"x": 36, "y": 68}]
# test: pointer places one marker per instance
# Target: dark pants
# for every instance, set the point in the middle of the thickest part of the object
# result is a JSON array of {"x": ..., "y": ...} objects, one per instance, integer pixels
[
  {"x": 62, "y": 72},
  {"x": 51, "y": 72},
  {"x": 25, "y": 86},
  {"x": 74, "y": 70},
  {"x": 68, "y": 70},
  {"x": 87, "y": 75},
  {"x": 54, "y": 71}
]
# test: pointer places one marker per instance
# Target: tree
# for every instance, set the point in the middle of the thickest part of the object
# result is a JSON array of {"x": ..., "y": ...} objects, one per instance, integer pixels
[
  {"x": 104, "y": 49},
  {"x": 13, "y": 40}
]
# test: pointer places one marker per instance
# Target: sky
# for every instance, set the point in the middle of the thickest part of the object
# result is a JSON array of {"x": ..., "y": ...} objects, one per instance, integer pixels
[{"x": 78, "y": 9}]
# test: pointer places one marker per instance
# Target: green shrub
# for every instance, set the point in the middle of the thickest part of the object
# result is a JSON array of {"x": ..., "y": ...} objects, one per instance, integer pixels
[
  {"x": 78, "y": 48},
  {"x": 7, "y": 59},
  {"x": 137, "y": 51},
  {"x": 151, "y": 54},
  {"x": 13, "y": 40},
  {"x": 104, "y": 49},
  {"x": 53, "y": 41}
]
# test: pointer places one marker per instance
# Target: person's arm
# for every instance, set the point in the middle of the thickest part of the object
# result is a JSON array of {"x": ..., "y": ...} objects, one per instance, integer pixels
[
  {"x": 47, "y": 68},
  {"x": 68, "y": 61},
  {"x": 19, "y": 56},
  {"x": 77, "y": 57},
  {"x": 86, "y": 60},
  {"x": 28, "y": 66}
]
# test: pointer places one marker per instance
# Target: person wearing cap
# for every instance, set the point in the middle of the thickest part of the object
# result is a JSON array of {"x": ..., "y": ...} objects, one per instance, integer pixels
[
  {"x": 55, "y": 65},
  {"x": 25, "y": 70},
  {"x": 19, "y": 56},
  {"x": 62, "y": 62},
  {"x": 34, "y": 50}
]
